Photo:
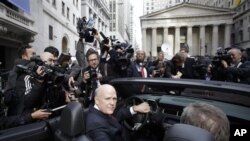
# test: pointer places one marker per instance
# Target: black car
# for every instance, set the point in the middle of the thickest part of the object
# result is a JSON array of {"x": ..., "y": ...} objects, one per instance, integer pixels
[{"x": 166, "y": 97}]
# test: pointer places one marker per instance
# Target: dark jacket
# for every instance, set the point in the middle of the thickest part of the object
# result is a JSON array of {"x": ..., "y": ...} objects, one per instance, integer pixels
[
  {"x": 102, "y": 127},
  {"x": 240, "y": 74}
]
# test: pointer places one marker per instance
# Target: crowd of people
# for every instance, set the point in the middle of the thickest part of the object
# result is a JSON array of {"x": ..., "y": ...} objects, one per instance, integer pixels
[{"x": 36, "y": 84}]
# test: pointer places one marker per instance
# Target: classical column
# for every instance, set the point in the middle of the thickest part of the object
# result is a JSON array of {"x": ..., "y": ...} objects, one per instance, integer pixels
[
  {"x": 190, "y": 39},
  {"x": 227, "y": 35},
  {"x": 144, "y": 38},
  {"x": 177, "y": 40},
  {"x": 165, "y": 35},
  {"x": 154, "y": 44},
  {"x": 202, "y": 40},
  {"x": 215, "y": 36}
]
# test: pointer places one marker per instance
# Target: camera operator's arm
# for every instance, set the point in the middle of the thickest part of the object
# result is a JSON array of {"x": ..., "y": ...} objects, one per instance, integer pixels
[{"x": 97, "y": 35}]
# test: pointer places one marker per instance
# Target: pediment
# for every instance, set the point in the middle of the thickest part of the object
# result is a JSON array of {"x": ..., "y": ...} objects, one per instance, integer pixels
[{"x": 187, "y": 10}]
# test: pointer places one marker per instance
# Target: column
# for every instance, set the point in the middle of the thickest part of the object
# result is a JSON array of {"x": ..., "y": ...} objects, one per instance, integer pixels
[
  {"x": 215, "y": 36},
  {"x": 202, "y": 40},
  {"x": 154, "y": 44},
  {"x": 165, "y": 35},
  {"x": 177, "y": 40},
  {"x": 144, "y": 38},
  {"x": 190, "y": 39},
  {"x": 227, "y": 40}
]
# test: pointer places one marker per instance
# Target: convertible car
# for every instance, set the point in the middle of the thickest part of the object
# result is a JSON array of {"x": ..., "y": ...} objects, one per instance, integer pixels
[{"x": 166, "y": 97}]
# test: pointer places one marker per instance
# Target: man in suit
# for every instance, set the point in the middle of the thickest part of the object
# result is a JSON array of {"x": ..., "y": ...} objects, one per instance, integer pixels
[
  {"x": 187, "y": 67},
  {"x": 238, "y": 71},
  {"x": 101, "y": 125}
]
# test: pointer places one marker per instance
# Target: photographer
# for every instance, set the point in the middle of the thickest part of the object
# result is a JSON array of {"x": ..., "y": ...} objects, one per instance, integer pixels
[
  {"x": 25, "y": 98},
  {"x": 92, "y": 76},
  {"x": 238, "y": 71}
]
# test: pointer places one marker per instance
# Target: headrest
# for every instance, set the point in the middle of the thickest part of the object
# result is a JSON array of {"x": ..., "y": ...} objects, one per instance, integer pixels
[
  {"x": 72, "y": 120},
  {"x": 185, "y": 132}
]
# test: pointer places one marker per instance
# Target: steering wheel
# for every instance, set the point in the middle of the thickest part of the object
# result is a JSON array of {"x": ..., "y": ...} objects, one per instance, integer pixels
[{"x": 139, "y": 119}]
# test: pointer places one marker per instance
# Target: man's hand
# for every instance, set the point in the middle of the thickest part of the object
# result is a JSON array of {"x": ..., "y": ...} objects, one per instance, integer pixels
[
  {"x": 142, "y": 108},
  {"x": 224, "y": 63},
  {"x": 40, "y": 114},
  {"x": 86, "y": 75}
]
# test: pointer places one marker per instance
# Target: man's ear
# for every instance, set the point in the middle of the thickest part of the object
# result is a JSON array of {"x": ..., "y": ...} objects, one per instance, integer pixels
[{"x": 96, "y": 100}]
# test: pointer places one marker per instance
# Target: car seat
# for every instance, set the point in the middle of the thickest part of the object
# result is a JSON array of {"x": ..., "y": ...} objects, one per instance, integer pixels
[{"x": 72, "y": 125}]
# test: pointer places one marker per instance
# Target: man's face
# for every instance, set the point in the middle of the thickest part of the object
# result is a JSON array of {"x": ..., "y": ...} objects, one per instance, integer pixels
[
  {"x": 48, "y": 58},
  {"x": 28, "y": 54},
  {"x": 161, "y": 57},
  {"x": 93, "y": 61},
  {"x": 140, "y": 56},
  {"x": 235, "y": 55},
  {"x": 106, "y": 101}
]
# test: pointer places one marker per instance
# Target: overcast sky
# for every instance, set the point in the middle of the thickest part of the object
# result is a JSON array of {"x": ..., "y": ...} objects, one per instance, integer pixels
[{"x": 138, "y": 11}]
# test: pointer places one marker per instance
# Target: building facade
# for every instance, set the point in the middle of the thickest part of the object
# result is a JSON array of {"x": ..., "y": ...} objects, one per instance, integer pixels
[
  {"x": 120, "y": 23},
  {"x": 150, "y": 6},
  {"x": 241, "y": 19},
  {"x": 99, "y": 10},
  {"x": 55, "y": 22},
  {"x": 219, "y": 3},
  {"x": 203, "y": 28},
  {"x": 16, "y": 28},
  {"x": 241, "y": 25}
]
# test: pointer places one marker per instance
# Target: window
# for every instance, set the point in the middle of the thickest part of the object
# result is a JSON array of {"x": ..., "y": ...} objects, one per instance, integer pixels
[
  {"x": 50, "y": 32},
  {"x": 74, "y": 2},
  {"x": 54, "y": 3},
  {"x": 74, "y": 17},
  {"x": 241, "y": 36},
  {"x": 63, "y": 7},
  {"x": 241, "y": 22},
  {"x": 67, "y": 13},
  {"x": 77, "y": 4}
]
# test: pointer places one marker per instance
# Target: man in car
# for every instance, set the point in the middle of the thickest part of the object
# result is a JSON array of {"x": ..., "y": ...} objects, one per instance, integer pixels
[
  {"x": 101, "y": 122},
  {"x": 208, "y": 117}
]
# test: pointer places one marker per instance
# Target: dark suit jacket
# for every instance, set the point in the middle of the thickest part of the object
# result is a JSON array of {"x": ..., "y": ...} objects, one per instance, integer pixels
[
  {"x": 188, "y": 71},
  {"x": 242, "y": 73},
  {"x": 102, "y": 127}
]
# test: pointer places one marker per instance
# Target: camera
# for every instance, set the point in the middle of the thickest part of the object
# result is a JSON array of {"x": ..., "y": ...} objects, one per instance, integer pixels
[
  {"x": 92, "y": 73},
  {"x": 52, "y": 75},
  {"x": 86, "y": 28}
]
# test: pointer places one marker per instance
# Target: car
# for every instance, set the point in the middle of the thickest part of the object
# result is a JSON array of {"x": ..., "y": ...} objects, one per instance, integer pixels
[{"x": 166, "y": 98}]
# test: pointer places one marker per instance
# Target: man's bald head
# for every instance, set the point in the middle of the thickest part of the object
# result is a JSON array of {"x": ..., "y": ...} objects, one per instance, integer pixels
[
  {"x": 47, "y": 58},
  {"x": 105, "y": 88},
  {"x": 106, "y": 98}
]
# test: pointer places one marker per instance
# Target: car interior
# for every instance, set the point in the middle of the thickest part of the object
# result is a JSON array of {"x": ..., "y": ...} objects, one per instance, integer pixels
[{"x": 166, "y": 100}]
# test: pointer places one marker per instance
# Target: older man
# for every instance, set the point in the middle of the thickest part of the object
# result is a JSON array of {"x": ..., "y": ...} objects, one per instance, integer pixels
[
  {"x": 100, "y": 123},
  {"x": 238, "y": 71}
]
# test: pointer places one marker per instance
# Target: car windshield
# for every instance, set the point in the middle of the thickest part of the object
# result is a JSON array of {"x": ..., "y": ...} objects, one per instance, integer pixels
[{"x": 226, "y": 92}]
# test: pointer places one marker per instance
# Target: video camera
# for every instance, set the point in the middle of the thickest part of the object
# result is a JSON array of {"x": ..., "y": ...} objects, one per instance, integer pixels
[
  {"x": 52, "y": 73},
  {"x": 86, "y": 28},
  {"x": 221, "y": 54}
]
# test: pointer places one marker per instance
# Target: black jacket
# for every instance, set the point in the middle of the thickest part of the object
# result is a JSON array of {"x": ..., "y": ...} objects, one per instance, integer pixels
[{"x": 102, "y": 127}]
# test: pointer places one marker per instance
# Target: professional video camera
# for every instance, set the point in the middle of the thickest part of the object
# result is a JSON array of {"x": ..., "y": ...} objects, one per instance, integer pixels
[
  {"x": 86, "y": 28},
  {"x": 52, "y": 73},
  {"x": 217, "y": 67},
  {"x": 92, "y": 74},
  {"x": 221, "y": 55}
]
